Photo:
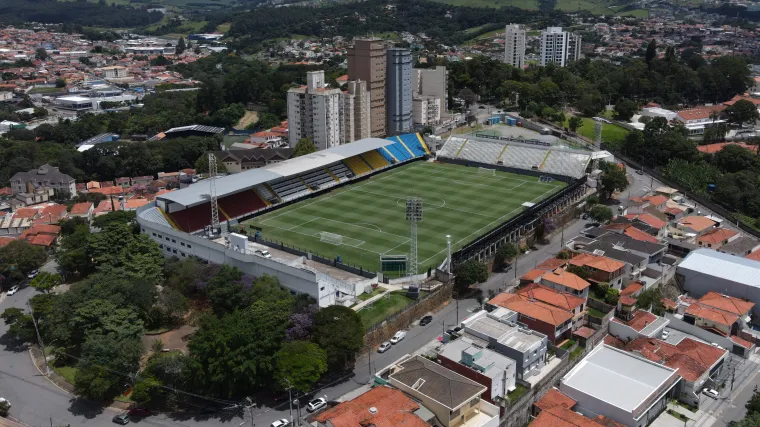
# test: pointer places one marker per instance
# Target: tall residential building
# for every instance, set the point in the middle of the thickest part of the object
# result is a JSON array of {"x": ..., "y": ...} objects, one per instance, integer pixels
[
  {"x": 514, "y": 45},
  {"x": 432, "y": 82},
  {"x": 399, "y": 91},
  {"x": 367, "y": 62},
  {"x": 426, "y": 111},
  {"x": 314, "y": 112},
  {"x": 355, "y": 112},
  {"x": 559, "y": 47}
]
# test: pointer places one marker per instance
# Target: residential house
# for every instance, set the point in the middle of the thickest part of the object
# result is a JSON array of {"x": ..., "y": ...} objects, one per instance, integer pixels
[
  {"x": 500, "y": 332},
  {"x": 273, "y": 139},
  {"x": 82, "y": 210},
  {"x": 239, "y": 160},
  {"x": 380, "y": 406},
  {"x": 51, "y": 214},
  {"x": 626, "y": 388},
  {"x": 638, "y": 324},
  {"x": 633, "y": 264},
  {"x": 697, "y": 363},
  {"x": 44, "y": 235},
  {"x": 567, "y": 282},
  {"x": 554, "y": 322},
  {"x": 697, "y": 119},
  {"x": 719, "y": 313},
  {"x": 560, "y": 416},
  {"x": 123, "y": 182},
  {"x": 487, "y": 367},
  {"x": 552, "y": 399},
  {"x": 603, "y": 269},
  {"x": 453, "y": 398},
  {"x": 142, "y": 180},
  {"x": 45, "y": 176},
  {"x": 740, "y": 246},
  {"x": 696, "y": 225},
  {"x": 717, "y": 237}
]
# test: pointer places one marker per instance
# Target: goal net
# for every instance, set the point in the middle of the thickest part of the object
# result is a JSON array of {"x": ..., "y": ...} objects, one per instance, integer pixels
[
  {"x": 332, "y": 238},
  {"x": 486, "y": 171}
]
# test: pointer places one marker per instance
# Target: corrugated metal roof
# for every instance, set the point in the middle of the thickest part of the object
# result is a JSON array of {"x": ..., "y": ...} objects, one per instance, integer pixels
[
  {"x": 725, "y": 266},
  {"x": 230, "y": 184}
]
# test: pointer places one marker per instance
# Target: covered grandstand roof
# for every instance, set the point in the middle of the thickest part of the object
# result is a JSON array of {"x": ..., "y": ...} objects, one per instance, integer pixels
[{"x": 198, "y": 193}]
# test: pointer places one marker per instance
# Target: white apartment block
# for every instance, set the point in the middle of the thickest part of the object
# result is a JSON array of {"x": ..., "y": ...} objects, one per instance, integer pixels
[
  {"x": 431, "y": 82},
  {"x": 355, "y": 112},
  {"x": 514, "y": 45},
  {"x": 426, "y": 111},
  {"x": 314, "y": 113},
  {"x": 114, "y": 72},
  {"x": 559, "y": 47}
]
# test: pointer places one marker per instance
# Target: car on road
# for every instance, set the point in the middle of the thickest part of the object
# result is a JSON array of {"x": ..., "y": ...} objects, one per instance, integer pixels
[
  {"x": 263, "y": 253},
  {"x": 280, "y": 423},
  {"x": 507, "y": 268},
  {"x": 593, "y": 224},
  {"x": 639, "y": 171},
  {"x": 426, "y": 320},
  {"x": 32, "y": 274},
  {"x": 481, "y": 107},
  {"x": 710, "y": 392},
  {"x": 122, "y": 419},
  {"x": 400, "y": 335},
  {"x": 13, "y": 290},
  {"x": 584, "y": 216},
  {"x": 316, "y": 404},
  {"x": 139, "y": 412},
  {"x": 384, "y": 347}
]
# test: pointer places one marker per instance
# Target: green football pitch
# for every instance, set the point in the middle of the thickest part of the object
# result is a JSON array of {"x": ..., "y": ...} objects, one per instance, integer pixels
[{"x": 370, "y": 219}]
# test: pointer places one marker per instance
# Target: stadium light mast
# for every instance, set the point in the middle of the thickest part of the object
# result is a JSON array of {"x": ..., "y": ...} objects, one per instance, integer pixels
[
  {"x": 214, "y": 200},
  {"x": 413, "y": 215},
  {"x": 448, "y": 253},
  {"x": 598, "y": 127}
]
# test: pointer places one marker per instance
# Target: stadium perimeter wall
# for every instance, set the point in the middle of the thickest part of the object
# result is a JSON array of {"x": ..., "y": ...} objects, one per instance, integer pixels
[{"x": 294, "y": 278}]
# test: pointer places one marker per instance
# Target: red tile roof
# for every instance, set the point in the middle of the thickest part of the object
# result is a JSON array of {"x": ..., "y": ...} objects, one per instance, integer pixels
[
  {"x": 669, "y": 304},
  {"x": 81, "y": 208},
  {"x": 692, "y": 358},
  {"x": 5, "y": 240},
  {"x": 712, "y": 314},
  {"x": 702, "y": 112},
  {"x": 714, "y": 148},
  {"x": 738, "y": 98},
  {"x": 641, "y": 319},
  {"x": 740, "y": 341},
  {"x": 639, "y": 235},
  {"x": 652, "y": 220},
  {"x": 631, "y": 289},
  {"x": 584, "y": 332},
  {"x": 716, "y": 237},
  {"x": 533, "y": 275},
  {"x": 732, "y": 305},
  {"x": 538, "y": 310},
  {"x": 559, "y": 416},
  {"x": 43, "y": 240},
  {"x": 567, "y": 279},
  {"x": 613, "y": 341},
  {"x": 553, "y": 398},
  {"x": 598, "y": 262},
  {"x": 393, "y": 408},
  {"x": 754, "y": 255},
  {"x": 550, "y": 296},
  {"x": 696, "y": 222},
  {"x": 108, "y": 190},
  {"x": 552, "y": 264},
  {"x": 656, "y": 200}
]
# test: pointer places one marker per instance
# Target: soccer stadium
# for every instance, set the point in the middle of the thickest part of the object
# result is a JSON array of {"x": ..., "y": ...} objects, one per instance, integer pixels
[{"x": 348, "y": 202}]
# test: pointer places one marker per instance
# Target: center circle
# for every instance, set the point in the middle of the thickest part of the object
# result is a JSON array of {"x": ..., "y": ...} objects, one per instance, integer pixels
[{"x": 425, "y": 203}]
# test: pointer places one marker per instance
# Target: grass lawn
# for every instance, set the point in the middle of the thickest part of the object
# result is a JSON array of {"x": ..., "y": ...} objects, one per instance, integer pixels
[
  {"x": 594, "y": 312},
  {"x": 522, "y": 4},
  {"x": 223, "y": 28},
  {"x": 228, "y": 140},
  {"x": 567, "y": 344},
  {"x": 610, "y": 132},
  {"x": 576, "y": 353},
  {"x": 46, "y": 90},
  {"x": 678, "y": 415},
  {"x": 370, "y": 216},
  {"x": 383, "y": 308},
  {"x": 67, "y": 372},
  {"x": 517, "y": 393},
  {"x": 365, "y": 296}
]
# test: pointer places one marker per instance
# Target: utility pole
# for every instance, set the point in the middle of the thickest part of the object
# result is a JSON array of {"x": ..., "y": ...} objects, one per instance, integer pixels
[
  {"x": 290, "y": 400},
  {"x": 39, "y": 339},
  {"x": 250, "y": 407},
  {"x": 369, "y": 365}
]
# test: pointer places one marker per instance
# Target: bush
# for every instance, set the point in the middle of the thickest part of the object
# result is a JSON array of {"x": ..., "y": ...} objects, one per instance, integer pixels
[{"x": 4, "y": 408}]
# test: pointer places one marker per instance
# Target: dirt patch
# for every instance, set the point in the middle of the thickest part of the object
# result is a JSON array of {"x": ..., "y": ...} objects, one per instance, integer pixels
[
  {"x": 173, "y": 340},
  {"x": 248, "y": 118}
]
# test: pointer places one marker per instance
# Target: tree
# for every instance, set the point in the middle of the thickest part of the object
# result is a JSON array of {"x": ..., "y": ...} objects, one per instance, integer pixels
[
  {"x": 20, "y": 325},
  {"x": 19, "y": 257},
  {"x": 45, "y": 281},
  {"x": 267, "y": 121},
  {"x": 581, "y": 271},
  {"x": 304, "y": 146},
  {"x": 651, "y": 53},
  {"x": 590, "y": 104},
  {"x": 574, "y": 123},
  {"x": 180, "y": 46},
  {"x": 625, "y": 109},
  {"x": 339, "y": 331},
  {"x": 103, "y": 364},
  {"x": 613, "y": 179},
  {"x": 742, "y": 112},
  {"x": 300, "y": 364},
  {"x": 60, "y": 83},
  {"x": 470, "y": 272},
  {"x": 505, "y": 252},
  {"x": 41, "y": 54},
  {"x": 226, "y": 291},
  {"x": 753, "y": 405},
  {"x": 209, "y": 96},
  {"x": 651, "y": 300},
  {"x": 734, "y": 158},
  {"x": 600, "y": 213},
  {"x": 201, "y": 165},
  {"x": 117, "y": 217}
]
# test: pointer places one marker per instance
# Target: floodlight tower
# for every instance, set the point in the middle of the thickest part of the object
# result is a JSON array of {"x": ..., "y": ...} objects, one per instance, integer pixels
[
  {"x": 212, "y": 193},
  {"x": 413, "y": 215},
  {"x": 598, "y": 126}
]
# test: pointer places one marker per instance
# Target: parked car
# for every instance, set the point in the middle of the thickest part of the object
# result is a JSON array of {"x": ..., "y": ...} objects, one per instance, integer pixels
[
  {"x": 710, "y": 392},
  {"x": 451, "y": 332},
  {"x": 593, "y": 224},
  {"x": 32, "y": 274},
  {"x": 280, "y": 423},
  {"x": 400, "y": 335},
  {"x": 665, "y": 334},
  {"x": 263, "y": 253},
  {"x": 122, "y": 419},
  {"x": 139, "y": 412},
  {"x": 316, "y": 404},
  {"x": 13, "y": 290},
  {"x": 384, "y": 347},
  {"x": 584, "y": 216},
  {"x": 426, "y": 320}
]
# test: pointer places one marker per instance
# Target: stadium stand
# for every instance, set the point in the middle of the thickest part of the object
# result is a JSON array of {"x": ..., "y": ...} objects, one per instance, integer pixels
[
  {"x": 317, "y": 179},
  {"x": 288, "y": 187},
  {"x": 375, "y": 159},
  {"x": 402, "y": 146},
  {"x": 415, "y": 144},
  {"x": 266, "y": 193},
  {"x": 517, "y": 155},
  {"x": 340, "y": 171},
  {"x": 357, "y": 165},
  {"x": 385, "y": 152},
  {"x": 193, "y": 218},
  {"x": 239, "y": 204}
]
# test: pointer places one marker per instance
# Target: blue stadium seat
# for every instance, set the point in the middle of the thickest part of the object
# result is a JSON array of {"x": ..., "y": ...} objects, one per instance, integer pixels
[
  {"x": 387, "y": 156},
  {"x": 400, "y": 152},
  {"x": 413, "y": 143}
]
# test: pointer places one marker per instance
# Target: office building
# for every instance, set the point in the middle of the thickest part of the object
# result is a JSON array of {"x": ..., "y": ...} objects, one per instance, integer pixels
[
  {"x": 621, "y": 386},
  {"x": 514, "y": 45},
  {"x": 559, "y": 47},
  {"x": 433, "y": 83},
  {"x": 314, "y": 112},
  {"x": 355, "y": 112},
  {"x": 367, "y": 62},
  {"x": 399, "y": 91}
]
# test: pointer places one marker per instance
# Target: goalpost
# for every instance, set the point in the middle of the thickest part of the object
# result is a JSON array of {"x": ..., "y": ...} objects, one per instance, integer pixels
[
  {"x": 331, "y": 238},
  {"x": 486, "y": 171}
]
